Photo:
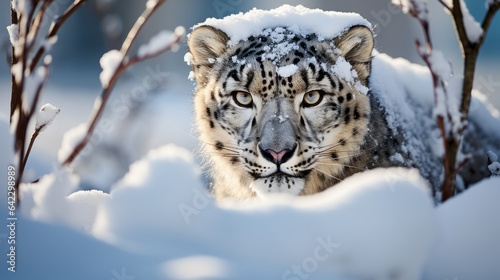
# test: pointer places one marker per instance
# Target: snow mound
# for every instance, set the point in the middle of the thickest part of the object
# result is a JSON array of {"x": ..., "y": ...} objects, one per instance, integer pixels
[
  {"x": 469, "y": 243},
  {"x": 344, "y": 228},
  {"x": 298, "y": 19}
]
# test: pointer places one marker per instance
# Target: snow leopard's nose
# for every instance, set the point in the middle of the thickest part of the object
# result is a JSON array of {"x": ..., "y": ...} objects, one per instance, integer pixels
[{"x": 277, "y": 157}]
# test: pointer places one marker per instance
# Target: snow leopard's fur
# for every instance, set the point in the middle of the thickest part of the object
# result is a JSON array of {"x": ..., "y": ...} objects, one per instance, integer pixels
[{"x": 259, "y": 129}]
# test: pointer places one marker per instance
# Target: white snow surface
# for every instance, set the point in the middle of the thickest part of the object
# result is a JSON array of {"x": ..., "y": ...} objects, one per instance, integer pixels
[
  {"x": 469, "y": 241},
  {"x": 298, "y": 19},
  {"x": 46, "y": 115},
  {"x": 161, "y": 201}
]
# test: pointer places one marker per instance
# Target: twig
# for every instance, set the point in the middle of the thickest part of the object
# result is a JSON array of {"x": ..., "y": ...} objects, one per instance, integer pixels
[
  {"x": 23, "y": 157},
  {"x": 124, "y": 64},
  {"x": 54, "y": 28},
  {"x": 32, "y": 141},
  {"x": 444, "y": 5},
  {"x": 15, "y": 93}
]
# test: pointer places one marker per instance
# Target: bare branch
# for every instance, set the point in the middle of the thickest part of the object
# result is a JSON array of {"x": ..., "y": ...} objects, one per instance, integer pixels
[
  {"x": 488, "y": 18},
  {"x": 458, "y": 20},
  {"x": 54, "y": 28},
  {"x": 445, "y": 5},
  {"x": 132, "y": 35}
]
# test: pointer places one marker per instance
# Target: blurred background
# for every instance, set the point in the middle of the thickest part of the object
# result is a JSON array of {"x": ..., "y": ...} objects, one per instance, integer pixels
[{"x": 161, "y": 115}]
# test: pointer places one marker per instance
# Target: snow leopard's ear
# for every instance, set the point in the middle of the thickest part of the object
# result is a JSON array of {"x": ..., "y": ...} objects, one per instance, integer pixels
[
  {"x": 205, "y": 44},
  {"x": 356, "y": 46}
]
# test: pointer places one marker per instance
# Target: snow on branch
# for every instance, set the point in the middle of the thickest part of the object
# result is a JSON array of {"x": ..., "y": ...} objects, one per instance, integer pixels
[
  {"x": 416, "y": 8},
  {"x": 27, "y": 78},
  {"x": 45, "y": 116},
  {"x": 116, "y": 62},
  {"x": 161, "y": 42},
  {"x": 451, "y": 118}
]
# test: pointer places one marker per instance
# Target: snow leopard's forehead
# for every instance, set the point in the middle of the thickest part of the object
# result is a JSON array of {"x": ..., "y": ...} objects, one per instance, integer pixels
[
  {"x": 276, "y": 44},
  {"x": 282, "y": 53}
]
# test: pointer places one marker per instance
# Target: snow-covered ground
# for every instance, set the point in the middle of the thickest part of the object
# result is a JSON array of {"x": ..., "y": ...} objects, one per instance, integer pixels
[{"x": 155, "y": 219}]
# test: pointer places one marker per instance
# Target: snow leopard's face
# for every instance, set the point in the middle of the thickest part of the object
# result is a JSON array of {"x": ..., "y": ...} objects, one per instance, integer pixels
[{"x": 280, "y": 112}]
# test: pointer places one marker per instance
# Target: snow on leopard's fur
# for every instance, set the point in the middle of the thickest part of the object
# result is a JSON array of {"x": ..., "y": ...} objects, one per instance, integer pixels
[{"x": 260, "y": 134}]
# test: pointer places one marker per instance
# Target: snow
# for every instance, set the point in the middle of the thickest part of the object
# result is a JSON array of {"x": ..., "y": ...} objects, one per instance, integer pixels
[
  {"x": 13, "y": 31},
  {"x": 280, "y": 25},
  {"x": 469, "y": 243},
  {"x": 472, "y": 27},
  {"x": 494, "y": 168},
  {"x": 109, "y": 62},
  {"x": 395, "y": 206},
  {"x": 417, "y": 7},
  {"x": 188, "y": 58},
  {"x": 298, "y": 19},
  {"x": 492, "y": 156},
  {"x": 342, "y": 68},
  {"x": 161, "y": 41},
  {"x": 158, "y": 221},
  {"x": 287, "y": 70},
  {"x": 45, "y": 116},
  {"x": 150, "y": 4}
]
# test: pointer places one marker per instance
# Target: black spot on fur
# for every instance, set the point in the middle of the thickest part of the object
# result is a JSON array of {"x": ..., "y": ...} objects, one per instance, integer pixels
[
  {"x": 209, "y": 114},
  {"x": 296, "y": 61},
  {"x": 313, "y": 68},
  {"x": 342, "y": 142},
  {"x": 249, "y": 79},
  {"x": 347, "y": 118},
  {"x": 235, "y": 160},
  {"x": 212, "y": 125},
  {"x": 340, "y": 99},
  {"x": 303, "y": 74},
  {"x": 233, "y": 74},
  {"x": 299, "y": 54},
  {"x": 349, "y": 96},
  {"x": 219, "y": 146},
  {"x": 356, "y": 113},
  {"x": 302, "y": 122},
  {"x": 321, "y": 75},
  {"x": 334, "y": 155}
]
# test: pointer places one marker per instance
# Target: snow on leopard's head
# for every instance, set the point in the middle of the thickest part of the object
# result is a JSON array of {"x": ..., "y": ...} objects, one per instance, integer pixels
[{"x": 283, "y": 109}]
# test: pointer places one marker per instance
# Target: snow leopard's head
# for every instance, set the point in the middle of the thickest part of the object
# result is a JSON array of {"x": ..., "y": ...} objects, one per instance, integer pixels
[{"x": 280, "y": 112}]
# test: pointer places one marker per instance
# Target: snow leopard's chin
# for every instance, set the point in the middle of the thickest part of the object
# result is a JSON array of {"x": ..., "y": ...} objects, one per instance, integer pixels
[{"x": 278, "y": 184}]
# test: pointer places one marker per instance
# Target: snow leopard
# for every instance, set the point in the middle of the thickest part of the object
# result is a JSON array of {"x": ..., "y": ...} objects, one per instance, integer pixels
[{"x": 275, "y": 116}]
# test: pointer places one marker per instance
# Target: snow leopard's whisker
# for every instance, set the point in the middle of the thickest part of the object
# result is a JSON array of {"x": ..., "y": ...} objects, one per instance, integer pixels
[
  {"x": 227, "y": 148},
  {"x": 326, "y": 174},
  {"x": 339, "y": 164}
]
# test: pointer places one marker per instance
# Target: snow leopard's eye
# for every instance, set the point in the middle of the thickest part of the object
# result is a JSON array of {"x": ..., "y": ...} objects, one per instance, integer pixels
[
  {"x": 312, "y": 98},
  {"x": 242, "y": 99}
]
